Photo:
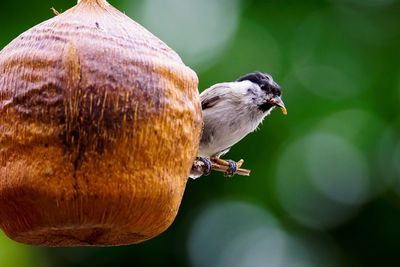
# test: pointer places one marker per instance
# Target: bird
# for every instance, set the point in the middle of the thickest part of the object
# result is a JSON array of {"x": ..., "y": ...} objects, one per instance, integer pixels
[{"x": 232, "y": 110}]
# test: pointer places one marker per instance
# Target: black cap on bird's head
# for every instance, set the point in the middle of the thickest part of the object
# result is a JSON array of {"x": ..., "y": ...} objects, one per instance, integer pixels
[
  {"x": 263, "y": 80},
  {"x": 267, "y": 84}
]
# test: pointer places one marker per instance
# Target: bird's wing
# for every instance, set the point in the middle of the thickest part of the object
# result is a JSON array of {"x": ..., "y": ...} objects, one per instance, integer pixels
[
  {"x": 209, "y": 102},
  {"x": 211, "y": 96}
]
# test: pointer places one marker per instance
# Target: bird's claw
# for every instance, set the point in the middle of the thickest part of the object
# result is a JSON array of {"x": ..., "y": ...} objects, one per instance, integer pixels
[
  {"x": 207, "y": 165},
  {"x": 233, "y": 166},
  {"x": 232, "y": 169}
]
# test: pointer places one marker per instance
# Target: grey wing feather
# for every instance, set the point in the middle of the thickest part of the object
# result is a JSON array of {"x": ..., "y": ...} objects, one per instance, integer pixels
[
  {"x": 211, "y": 96},
  {"x": 209, "y": 102}
]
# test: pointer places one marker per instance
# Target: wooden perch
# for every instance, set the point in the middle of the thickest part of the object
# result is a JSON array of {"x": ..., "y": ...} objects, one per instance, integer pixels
[{"x": 199, "y": 166}]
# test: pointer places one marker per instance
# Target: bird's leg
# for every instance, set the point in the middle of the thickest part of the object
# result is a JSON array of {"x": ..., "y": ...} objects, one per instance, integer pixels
[
  {"x": 207, "y": 165},
  {"x": 232, "y": 165}
]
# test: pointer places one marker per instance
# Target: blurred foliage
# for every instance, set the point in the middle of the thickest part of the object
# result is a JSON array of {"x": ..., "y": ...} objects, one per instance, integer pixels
[{"x": 325, "y": 181}]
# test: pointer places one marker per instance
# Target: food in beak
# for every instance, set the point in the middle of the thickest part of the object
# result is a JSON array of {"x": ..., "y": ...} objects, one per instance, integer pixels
[{"x": 277, "y": 101}]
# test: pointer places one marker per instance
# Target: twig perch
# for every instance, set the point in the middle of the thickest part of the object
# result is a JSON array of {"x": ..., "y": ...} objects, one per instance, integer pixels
[{"x": 200, "y": 166}]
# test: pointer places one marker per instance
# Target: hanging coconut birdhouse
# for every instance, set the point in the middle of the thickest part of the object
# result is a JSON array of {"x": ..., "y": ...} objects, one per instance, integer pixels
[{"x": 99, "y": 125}]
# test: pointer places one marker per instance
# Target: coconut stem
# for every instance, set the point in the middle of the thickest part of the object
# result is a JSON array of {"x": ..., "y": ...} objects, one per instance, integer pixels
[
  {"x": 55, "y": 11},
  {"x": 99, "y": 2}
]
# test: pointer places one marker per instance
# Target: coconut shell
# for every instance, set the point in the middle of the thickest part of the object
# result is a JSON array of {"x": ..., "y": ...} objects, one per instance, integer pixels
[{"x": 100, "y": 122}]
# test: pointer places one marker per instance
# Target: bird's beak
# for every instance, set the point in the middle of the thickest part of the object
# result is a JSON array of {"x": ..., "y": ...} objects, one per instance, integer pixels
[{"x": 277, "y": 101}]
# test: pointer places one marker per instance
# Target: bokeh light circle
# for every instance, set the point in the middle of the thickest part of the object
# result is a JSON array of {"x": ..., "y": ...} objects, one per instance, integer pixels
[
  {"x": 337, "y": 169},
  {"x": 321, "y": 179},
  {"x": 199, "y": 30},
  {"x": 223, "y": 233},
  {"x": 237, "y": 234},
  {"x": 326, "y": 81}
]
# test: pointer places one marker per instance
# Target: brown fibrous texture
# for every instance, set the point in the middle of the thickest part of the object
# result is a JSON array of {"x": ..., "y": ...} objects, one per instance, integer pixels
[{"x": 99, "y": 126}]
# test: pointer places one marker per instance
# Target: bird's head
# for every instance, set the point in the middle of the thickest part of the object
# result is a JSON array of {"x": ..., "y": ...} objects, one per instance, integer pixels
[{"x": 267, "y": 93}]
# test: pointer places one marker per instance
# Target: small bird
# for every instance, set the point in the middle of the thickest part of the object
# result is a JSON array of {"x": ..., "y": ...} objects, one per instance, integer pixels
[{"x": 231, "y": 111}]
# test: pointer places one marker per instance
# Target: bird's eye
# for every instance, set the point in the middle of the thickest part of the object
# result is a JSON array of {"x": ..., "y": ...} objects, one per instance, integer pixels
[{"x": 266, "y": 87}]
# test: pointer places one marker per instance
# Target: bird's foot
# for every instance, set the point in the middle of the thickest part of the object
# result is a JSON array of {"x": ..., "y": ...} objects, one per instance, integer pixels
[
  {"x": 232, "y": 169},
  {"x": 207, "y": 165},
  {"x": 232, "y": 165}
]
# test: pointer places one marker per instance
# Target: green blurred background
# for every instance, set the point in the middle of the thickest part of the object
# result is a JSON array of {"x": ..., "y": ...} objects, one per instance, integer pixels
[{"x": 325, "y": 184}]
